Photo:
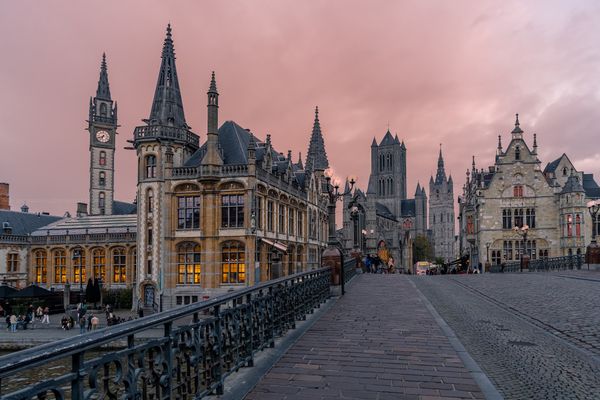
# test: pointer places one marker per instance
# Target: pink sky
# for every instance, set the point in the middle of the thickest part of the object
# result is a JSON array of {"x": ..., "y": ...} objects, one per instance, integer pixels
[{"x": 451, "y": 72}]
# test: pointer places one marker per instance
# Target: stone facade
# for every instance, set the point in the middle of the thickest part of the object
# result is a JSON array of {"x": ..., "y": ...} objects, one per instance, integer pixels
[
  {"x": 383, "y": 221},
  {"x": 441, "y": 213},
  {"x": 516, "y": 192}
]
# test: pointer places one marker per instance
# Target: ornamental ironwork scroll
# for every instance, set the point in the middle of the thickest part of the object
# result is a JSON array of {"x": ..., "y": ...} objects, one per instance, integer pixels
[{"x": 184, "y": 353}]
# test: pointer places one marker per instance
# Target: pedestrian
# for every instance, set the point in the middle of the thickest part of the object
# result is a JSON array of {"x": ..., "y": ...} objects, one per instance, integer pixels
[
  {"x": 89, "y": 321},
  {"x": 46, "y": 313},
  {"x": 13, "y": 323},
  {"x": 480, "y": 267},
  {"x": 39, "y": 313},
  {"x": 82, "y": 324},
  {"x": 391, "y": 265},
  {"x": 30, "y": 311},
  {"x": 94, "y": 322},
  {"x": 7, "y": 320}
]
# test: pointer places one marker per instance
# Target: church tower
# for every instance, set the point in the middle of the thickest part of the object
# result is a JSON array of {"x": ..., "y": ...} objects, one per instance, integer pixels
[
  {"x": 102, "y": 127},
  {"x": 441, "y": 212}
]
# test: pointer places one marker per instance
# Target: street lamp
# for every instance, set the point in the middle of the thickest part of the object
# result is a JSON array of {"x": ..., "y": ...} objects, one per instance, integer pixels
[
  {"x": 487, "y": 251},
  {"x": 593, "y": 250},
  {"x": 354, "y": 218},
  {"x": 522, "y": 231}
]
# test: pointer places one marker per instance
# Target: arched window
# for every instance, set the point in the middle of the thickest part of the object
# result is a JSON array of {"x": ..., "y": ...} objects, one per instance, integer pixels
[
  {"x": 233, "y": 263},
  {"x": 188, "y": 263},
  {"x": 517, "y": 153},
  {"x": 101, "y": 202},
  {"x": 78, "y": 258},
  {"x": 102, "y": 178},
  {"x": 41, "y": 262},
  {"x": 60, "y": 266},
  {"x": 569, "y": 218},
  {"x": 103, "y": 110},
  {"x": 102, "y": 158},
  {"x": 119, "y": 265},
  {"x": 99, "y": 264},
  {"x": 577, "y": 225},
  {"x": 151, "y": 166}
]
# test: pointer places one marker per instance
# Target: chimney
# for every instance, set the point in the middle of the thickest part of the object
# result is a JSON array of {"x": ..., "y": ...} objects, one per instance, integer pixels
[
  {"x": 4, "y": 196},
  {"x": 82, "y": 210}
]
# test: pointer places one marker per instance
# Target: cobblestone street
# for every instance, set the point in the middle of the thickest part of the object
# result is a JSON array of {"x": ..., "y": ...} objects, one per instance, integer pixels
[{"x": 535, "y": 335}]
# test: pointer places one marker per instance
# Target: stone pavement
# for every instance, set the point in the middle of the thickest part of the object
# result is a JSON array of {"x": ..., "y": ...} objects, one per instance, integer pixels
[
  {"x": 534, "y": 334},
  {"x": 379, "y": 341}
]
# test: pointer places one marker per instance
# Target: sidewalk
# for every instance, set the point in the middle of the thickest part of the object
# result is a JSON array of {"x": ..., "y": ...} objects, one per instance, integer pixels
[{"x": 379, "y": 342}]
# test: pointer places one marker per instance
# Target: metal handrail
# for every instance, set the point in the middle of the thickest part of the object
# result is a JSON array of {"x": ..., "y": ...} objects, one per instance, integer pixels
[
  {"x": 543, "y": 264},
  {"x": 224, "y": 334}
]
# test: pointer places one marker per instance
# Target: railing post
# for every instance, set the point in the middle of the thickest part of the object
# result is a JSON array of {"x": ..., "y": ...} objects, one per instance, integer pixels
[
  {"x": 77, "y": 383},
  {"x": 165, "y": 381},
  {"x": 219, "y": 369}
]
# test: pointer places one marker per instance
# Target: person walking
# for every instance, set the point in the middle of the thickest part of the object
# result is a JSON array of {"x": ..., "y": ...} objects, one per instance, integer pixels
[
  {"x": 94, "y": 322},
  {"x": 82, "y": 320},
  {"x": 13, "y": 323},
  {"x": 46, "y": 319},
  {"x": 39, "y": 313}
]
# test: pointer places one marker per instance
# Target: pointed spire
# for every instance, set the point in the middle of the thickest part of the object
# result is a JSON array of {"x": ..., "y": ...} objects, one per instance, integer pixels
[
  {"x": 300, "y": 166},
  {"x": 440, "y": 176},
  {"x": 517, "y": 131},
  {"x": 396, "y": 139},
  {"x": 374, "y": 143},
  {"x": 473, "y": 164},
  {"x": 316, "y": 159},
  {"x": 402, "y": 145},
  {"x": 167, "y": 106},
  {"x": 418, "y": 191},
  {"x": 535, "y": 143},
  {"x": 500, "y": 142},
  {"x": 213, "y": 84},
  {"x": 347, "y": 186},
  {"x": 103, "y": 91}
]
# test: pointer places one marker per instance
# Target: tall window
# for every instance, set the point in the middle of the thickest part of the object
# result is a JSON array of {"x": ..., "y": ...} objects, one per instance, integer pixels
[
  {"x": 508, "y": 250},
  {"x": 101, "y": 202},
  {"x": 12, "y": 262},
  {"x": 188, "y": 264},
  {"x": 300, "y": 223},
  {"x": 233, "y": 264},
  {"x": 496, "y": 257},
  {"x": 270, "y": 207},
  {"x": 99, "y": 264},
  {"x": 506, "y": 219},
  {"x": 531, "y": 249},
  {"x": 312, "y": 224},
  {"x": 569, "y": 218},
  {"x": 518, "y": 217},
  {"x": 259, "y": 213},
  {"x": 102, "y": 158},
  {"x": 78, "y": 266},
  {"x": 518, "y": 191},
  {"x": 232, "y": 211},
  {"x": 530, "y": 217},
  {"x": 577, "y": 225},
  {"x": 517, "y": 153},
  {"x": 102, "y": 178},
  {"x": 60, "y": 266},
  {"x": 281, "y": 225},
  {"x": 150, "y": 201},
  {"x": 119, "y": 265},
  {"x": 291, "y": 226},
  {"x": 103, "y": 110},
  {"x": 41, "y": 262},
  {"x": 188, "y": 212},
  {"x": 151, "y": 166}
]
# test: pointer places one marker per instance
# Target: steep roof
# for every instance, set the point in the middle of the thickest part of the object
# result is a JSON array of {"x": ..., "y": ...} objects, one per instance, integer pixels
[
  {"x": 25, "y": 223},
  {"x": 103, "y": 91},
  {"x": 123, "y": 208},
  {"x": 388, "y": 139},
  {"x": 572, "y": 185},
  {"x": 551, "y": 167},
  {"x": 592, "y": 190},
  {"x": 316, "y": 158},
  {"x": 383, "y": 211}
]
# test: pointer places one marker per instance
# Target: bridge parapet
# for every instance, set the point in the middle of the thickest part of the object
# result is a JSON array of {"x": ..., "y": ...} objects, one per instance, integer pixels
[{"x": 182, "y": 353}]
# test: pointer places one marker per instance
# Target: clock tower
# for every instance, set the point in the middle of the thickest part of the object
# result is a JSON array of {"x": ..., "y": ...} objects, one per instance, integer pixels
[{"x": 102, "y": 126}]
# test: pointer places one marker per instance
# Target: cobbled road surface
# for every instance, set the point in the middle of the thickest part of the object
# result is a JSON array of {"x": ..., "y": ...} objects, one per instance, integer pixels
[{"x": 535, "y": 335}]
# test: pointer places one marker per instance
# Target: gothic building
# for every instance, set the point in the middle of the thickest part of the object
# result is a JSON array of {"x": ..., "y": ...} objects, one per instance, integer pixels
[
  {"x": 223, "y": 214},
  {"x": 383, "y": 221},
  {"x": 515, "y": 192},
  {"x": 441, "y": 212}
]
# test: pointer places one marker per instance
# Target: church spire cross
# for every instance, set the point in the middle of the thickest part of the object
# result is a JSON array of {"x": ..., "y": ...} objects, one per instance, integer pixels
[
  {"x": 103, "y": 91},
  {"x": 316, "y": 159},
  {"x": 167, "y": 106}
]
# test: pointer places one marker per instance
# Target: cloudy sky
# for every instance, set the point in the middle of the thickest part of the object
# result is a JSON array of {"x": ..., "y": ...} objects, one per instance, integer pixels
[{"x": 451, "y": 72}]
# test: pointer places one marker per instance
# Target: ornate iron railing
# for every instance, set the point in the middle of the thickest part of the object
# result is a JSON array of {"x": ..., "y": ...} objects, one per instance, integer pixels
[
  {"x": 184, "y": 353},
  {"x": 543, "y": 264},
  {"x": 349, "y": 269}
]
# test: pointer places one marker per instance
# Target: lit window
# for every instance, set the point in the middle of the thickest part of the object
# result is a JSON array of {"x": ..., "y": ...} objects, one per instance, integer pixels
[
  {"x": 233, "y": 266},
  {"x": 188, "y": 264},
  {"x": 99, "y": 264},
  {"x": 41, "y": 263},
  {"x": 119, "y": 266},
  {"x": 78, "y": 266},
  {"x": 60, "y": 266}
]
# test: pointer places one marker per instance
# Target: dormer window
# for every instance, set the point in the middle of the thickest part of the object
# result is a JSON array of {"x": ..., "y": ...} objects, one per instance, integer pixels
[
  {"x": 564, "y": 171},
  {"x": 517, "y": 153}
]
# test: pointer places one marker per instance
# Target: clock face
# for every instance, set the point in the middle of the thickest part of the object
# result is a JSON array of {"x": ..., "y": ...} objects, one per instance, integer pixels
[{"x": 102, "y": 136}]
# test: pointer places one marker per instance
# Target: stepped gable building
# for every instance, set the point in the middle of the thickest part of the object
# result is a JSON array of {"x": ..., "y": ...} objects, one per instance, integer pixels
[
  {"x": 515, "y": 191},
  {"x": 441, "y": 212},
  {"x": 383, "y": 221},
  {"x": 99, "y": 242},
  {"x": 223, "y": 214}
]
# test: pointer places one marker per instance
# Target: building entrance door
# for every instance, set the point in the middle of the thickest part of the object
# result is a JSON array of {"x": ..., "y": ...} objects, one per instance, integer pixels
[{"x": 148, "y": 296}]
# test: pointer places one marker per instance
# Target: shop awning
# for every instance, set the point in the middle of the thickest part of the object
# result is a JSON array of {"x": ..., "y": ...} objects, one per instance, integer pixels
[{"x": 277, "y": 245}]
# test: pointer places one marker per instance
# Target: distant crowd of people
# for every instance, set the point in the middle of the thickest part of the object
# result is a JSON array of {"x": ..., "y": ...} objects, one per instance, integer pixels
[
  {"x": 373, "y": 264},
  {"x": 14, "y": 321}
]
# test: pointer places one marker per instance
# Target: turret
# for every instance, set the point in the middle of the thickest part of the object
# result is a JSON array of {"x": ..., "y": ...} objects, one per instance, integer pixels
[
  {"x": 213, "y": 155},
  {"x": 316, "y": 159}
]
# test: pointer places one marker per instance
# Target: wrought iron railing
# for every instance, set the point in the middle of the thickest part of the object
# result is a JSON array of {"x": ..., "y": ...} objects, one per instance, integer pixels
[
  {"x": 349, "y": 269},
  {"x": 543, "y": 264},
  {"x": 190, "y": 354}
]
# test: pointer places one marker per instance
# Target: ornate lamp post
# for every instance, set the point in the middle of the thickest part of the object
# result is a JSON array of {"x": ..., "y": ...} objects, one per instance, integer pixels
[
  {"x": 522, "y": 231},
  {"x": 332, "y": 256},
  {"x": 593, "y": 250},
  {"x": 354, "y": 219},
  {"x": 487, "y": 259}
]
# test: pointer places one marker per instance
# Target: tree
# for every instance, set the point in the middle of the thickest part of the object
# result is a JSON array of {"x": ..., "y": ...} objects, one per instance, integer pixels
[
  {"x": 422, "y": 249},
  {"x": 96, "y": 292},
  {"x": 89, "y": 291}
]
